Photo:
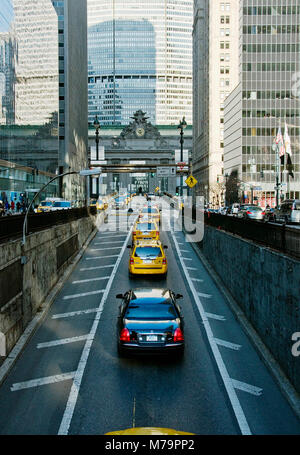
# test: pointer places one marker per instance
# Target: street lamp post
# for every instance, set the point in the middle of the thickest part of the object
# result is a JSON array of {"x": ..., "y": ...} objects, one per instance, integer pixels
[
  {"x": 181, "y": 126},
  {"x": 97, "y": 128},
  {"x": 84, "y": 172}
]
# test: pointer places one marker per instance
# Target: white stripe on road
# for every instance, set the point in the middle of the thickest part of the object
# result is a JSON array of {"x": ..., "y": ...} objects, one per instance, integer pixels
[
  {"x": 102, "y": 257},
  {"x": 90, "y": 279},
  {"x": 74, "y": 313},
  {"x": 206, "y": 296},
  {"x": 227, "y": 344},
  {"x": 191, "y": 268},
  {"x": 100, "y": 249},
  {"x": 42, "y": 381},
  {"x": 215, "y": 316},
  {"x": 73, "y": 396},
  {"x": 239, "y": 413},
  {"x": 197, "y": 279},
  {"x": 187, "y": 259},
  {"x": 49, "y": 344},
  {"x": 246, "y": 387},
  {"x": 83, "y": 294},
  {"x": 184, "y": 251},
  {"x": 111, "y": 235},
  {"x": 108, "y": 243},
  {"x": 97, "y": 267}
]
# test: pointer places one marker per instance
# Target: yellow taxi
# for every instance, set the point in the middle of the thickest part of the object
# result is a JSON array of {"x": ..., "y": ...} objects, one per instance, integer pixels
[
  {"x": 148, "y": 431},
  {"x": 93, "y": 202},
  {"x": 100, "y": 204},
  {"x": 145, "y": 230},
  {"x": 147, "y": 257},
  {"x": 44, "y": 206},
  {"x": 150, "y": 212}
]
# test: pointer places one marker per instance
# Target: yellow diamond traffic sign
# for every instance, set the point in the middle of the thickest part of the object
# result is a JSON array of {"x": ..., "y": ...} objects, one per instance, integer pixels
[{"x": 191, "y": 181}]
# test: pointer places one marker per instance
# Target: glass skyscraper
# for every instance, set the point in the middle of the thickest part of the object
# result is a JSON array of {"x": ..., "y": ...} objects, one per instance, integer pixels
[{"x": 140, "y": 57}]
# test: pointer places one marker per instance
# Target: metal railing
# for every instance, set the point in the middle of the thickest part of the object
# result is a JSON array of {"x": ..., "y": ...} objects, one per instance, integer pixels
[{"x": 11, "y": 227}]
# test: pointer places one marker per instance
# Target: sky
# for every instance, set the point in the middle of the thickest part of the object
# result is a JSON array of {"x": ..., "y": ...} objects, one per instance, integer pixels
[{"x": 6, "y": 14}]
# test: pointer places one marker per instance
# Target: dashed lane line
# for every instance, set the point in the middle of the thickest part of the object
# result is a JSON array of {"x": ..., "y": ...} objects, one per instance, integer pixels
[
  {"x": 205, "y": 296},
  {"x": 90, "y": 279},
  {"x": 102, "y": 257},
  {"x": 227, "y": 344},
  {"x": 83, "y": 294},
  {"x": 247, "y": 387},
  {"x": 74, "y": 313},
  {"x": 42, "y": 381},
  {"x": 97, "y": 267},
  {"x": 217, "y": 317},
  {"x": 49, "y": 344}
]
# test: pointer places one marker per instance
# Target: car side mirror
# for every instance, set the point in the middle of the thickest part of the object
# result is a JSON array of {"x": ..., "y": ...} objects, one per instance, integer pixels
[
  {"x": 128, "y": 246},
  {"x": 166, "y": 246},
  {"x": 178, "y": 296},
  {"x": 119, "y": 296}
]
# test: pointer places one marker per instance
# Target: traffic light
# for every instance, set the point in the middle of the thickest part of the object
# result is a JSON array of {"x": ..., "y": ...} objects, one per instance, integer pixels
[{"x": 152, "y": 174}]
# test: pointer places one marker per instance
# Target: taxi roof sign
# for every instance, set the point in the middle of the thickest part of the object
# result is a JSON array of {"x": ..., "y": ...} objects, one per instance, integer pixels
[{"x": 191, "y": 181}]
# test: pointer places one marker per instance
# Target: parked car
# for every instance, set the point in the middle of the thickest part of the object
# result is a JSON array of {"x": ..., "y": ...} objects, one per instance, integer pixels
[
  {"x": 150, "y": 320},
  {"x": 269, "y": 216},
  {"x": 251, "y": 212},
  {"x": 289, "y": 211},
  {"x": 61, "y": 205}
]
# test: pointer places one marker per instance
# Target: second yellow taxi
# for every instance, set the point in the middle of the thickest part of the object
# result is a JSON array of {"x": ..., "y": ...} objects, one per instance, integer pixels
[
  {"x": 147, "y": 257},
  {"x": 145, "y": 230}
]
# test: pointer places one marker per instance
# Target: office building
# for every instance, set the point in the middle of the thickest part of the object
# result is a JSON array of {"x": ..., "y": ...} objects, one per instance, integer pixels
[
  {"x": 267, "y": 97},
  {"x": 140, "y": 57},
  {"x": 215, "y": 74}
]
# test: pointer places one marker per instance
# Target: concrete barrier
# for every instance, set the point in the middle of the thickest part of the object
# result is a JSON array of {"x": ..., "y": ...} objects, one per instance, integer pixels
[
  {"x": 28, "y": 273},
  {"x": 266, "y": 285}
]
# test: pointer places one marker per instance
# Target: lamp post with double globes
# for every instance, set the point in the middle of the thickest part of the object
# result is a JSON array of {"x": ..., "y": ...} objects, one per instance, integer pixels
[{"x": 182, "y": 125}]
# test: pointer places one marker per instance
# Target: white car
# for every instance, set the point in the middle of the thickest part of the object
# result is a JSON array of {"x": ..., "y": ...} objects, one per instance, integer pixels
[{"x": 61, "y": 205}]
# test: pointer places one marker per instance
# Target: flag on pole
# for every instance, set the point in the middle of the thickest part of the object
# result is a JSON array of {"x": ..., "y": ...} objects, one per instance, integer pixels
[
  {"x": 280, "y": 144},
  {"x": 288, "y": 151}
]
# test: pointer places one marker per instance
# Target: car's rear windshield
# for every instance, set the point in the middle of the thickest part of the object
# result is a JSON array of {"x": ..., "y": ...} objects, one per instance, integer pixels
[
  {"x": 145, "y": 252},
  {"x": 297, "y": 206},
  {"x": 145, "y": 227},
  {"x": 254, "y": 209},
  {"x": 62, "y": 204},
  {"x": 151, "y": 309},
  {"x": 149, "y": 210}
]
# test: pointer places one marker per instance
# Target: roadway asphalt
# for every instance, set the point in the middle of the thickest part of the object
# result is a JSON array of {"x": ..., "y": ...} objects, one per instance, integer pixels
[{"x": 70, "y": 380}]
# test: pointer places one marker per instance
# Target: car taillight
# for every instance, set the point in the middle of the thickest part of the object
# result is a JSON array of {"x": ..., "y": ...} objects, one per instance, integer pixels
[
  {"x": 263, "y": 213},
  {"x": 124, "y": 335},
  {"x": 131, "y": 261},
  {"x": 178, "y": 335},
  {"x": 248, "y": 212},
  {"x": 164, "y": 261},
  {"x": 157, "y": 232},
  {"x": 134, "y": 233}
]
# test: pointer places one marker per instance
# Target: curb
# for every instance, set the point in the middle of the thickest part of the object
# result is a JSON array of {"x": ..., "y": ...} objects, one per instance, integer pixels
[
  {"x": 264, "y": 353},
  {"x": 15, "y": 353}
]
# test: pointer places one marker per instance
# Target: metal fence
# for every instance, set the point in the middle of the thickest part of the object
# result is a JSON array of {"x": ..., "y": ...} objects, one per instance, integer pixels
[
  {"x": 285, "y": 239},
  {"x": 11, "y": 227}
]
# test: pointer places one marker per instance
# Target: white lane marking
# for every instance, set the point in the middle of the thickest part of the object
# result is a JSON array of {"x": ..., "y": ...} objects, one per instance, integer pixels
[
  {"x": 82, "y": 294},
  {"x": 184, "y": 251},
  {"x": 227, "y": 344},
  {"x": 197, "y": 279},
  {"x": 187, "y": 259},
  {"x": 97, "y": 267},
  {"x": 90, "y": 279},
  {"x": 108, "y": 243},
  {"x": 101, "y": 249},
  {"x": 246, "y": 387},
  {"x": 73, "y": 396},
  {"x": 42, "y": 381},
  {"x": 191, "y": 268},
  {"x": 73, "y": 313},
  {"x": 102, "y": 257},
  {"x": 49, "y": 344},
  {"x": 206, "y": 296},
  {"x": 109, "y": 234},
  {"x": 215, "y": 316},
  {"x": 239, "y": 413}
]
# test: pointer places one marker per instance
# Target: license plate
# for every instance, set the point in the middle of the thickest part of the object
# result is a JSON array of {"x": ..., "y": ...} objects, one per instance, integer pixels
[
  {"x": 151, "y": 338},
  {"x": 147, "y": 262}
]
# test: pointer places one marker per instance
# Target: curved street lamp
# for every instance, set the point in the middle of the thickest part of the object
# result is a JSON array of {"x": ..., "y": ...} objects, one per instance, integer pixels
[
  {"x": 182, "y": 125},
  {"x": 84, "y": 172}
]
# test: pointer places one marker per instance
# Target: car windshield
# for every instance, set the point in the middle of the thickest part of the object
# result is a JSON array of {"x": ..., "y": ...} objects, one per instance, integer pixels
[
  {"x": 145, "y": 252},
  {"x": 297, "y": 206},
  {"x": 120, "y": 199},
  {"x": 46, "y": 204},
  {"x": 62, "y": 204},
  {"x": 145, "y": 227},
  {"x": 151, "y": 309}
]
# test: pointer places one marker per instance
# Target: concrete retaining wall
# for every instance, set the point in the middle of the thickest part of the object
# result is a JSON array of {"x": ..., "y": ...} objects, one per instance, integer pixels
[
  {"x": 27, "y": 274},
  {"x": 266, "y": 285}
]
